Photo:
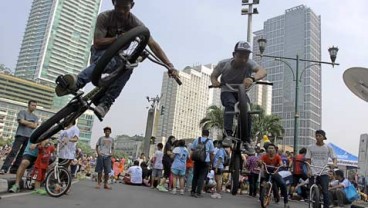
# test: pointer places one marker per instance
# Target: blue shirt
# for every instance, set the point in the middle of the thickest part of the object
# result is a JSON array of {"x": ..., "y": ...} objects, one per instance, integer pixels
[
  {"x": 28, "y": 151},
  {"x": 209, "y": 146},
  {"x": 220, "y": 154},
  {"x": 180, "y": 158}
]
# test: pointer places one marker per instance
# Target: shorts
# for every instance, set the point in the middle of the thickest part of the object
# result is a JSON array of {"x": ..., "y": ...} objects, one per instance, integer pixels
[
  {"x": 156, "y": 173},
  {"x": 41, "y": 174},
  {"x": 219, "y": 171},
  {"x": 167, "y": 167},
  {"x": 30, "y": 158},
  {"x": 103, "y": 164},
  {"x": 178, "y": 172}
]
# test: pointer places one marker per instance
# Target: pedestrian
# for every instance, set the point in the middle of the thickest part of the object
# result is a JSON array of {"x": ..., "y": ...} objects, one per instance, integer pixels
[
  {"x": 167, "y": 161},
  {"x": 27, "y": 122},
  {"x": 178, "y": 168},
  {"x": 104, "y": 149},
  {"x": 218, "y": 167},
  {"x": 157, "y": 165},
  {"x": 201, "y": 168}
]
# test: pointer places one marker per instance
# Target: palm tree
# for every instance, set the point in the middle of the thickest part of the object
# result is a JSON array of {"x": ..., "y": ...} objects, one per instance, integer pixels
[
  {"x": 214, "y": 119},
  {"x": 265, "y": 124}
]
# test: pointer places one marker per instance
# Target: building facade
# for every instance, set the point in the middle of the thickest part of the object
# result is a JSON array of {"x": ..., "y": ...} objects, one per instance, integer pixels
[
  {"x": 57, "y": 40},
  {"x": 298, "y": 31},
  {"x": 185, "y": 105}
]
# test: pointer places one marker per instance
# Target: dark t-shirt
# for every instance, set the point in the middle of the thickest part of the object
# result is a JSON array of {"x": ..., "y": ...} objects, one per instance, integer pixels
[{"x": 110, "y": 24}]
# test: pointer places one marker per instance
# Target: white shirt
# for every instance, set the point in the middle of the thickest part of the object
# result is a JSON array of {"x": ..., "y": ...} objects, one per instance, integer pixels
[
  {"x": 158, "y": 161},
  {"x": 135, "y": 173},
  {"x": 68, "y": 151}
]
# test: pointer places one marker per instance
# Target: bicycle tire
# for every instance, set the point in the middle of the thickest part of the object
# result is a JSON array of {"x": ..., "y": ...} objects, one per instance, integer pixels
[
  {"x": 235, "y": 174},
  {"x": 243, "y": 120},
  {"x": 141, "y": 31},
  {"x": 48, "y": 128},
  {"x": 53, "y": 189},
  {"x": 264, "y": 198},
  {"x": 314, "y": 198}
]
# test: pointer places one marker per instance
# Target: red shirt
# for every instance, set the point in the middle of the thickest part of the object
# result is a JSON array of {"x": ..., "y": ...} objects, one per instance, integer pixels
[
  {"x": 275, "y": 161},
  {"x": 43, "y": 157},
  {"x": 298, "y": 164}
]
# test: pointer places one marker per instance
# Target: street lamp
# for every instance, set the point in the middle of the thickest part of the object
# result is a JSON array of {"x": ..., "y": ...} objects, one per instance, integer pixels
[
  {"x": 333, "y": 52},
  {"x": 249, "y": 11}
]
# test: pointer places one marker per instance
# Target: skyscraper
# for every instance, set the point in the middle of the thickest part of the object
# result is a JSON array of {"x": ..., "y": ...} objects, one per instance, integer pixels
[
  {"x": 298, "y": 31},
  {"x": 57, "y": 40},
  {"x": 185, "y": 105}
]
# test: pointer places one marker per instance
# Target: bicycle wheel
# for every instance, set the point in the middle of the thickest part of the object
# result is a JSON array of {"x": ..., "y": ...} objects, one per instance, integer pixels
[
  {"x": 56, "y": 123},
  {"x": 264, "y": 196},
  {"x": 133, "y": 43},
  {"x": 244, "y": 117},
  {"x": 235, "y": 174},
  {"x": 314, "y": 198},
  {"x": 58, "y": 184}
]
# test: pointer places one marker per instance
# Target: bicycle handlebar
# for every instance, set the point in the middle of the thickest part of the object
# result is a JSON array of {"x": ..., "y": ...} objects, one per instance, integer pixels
[
  {"x": 148, "y": 54},
  {"x": 265, "y": 166},
  {"x": 232, "y": 86},
  {"x": 319, "y": 167}
]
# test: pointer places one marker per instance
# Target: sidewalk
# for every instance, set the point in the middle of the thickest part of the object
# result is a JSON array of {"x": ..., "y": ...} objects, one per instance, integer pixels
[{"x": 6, "y": 182}]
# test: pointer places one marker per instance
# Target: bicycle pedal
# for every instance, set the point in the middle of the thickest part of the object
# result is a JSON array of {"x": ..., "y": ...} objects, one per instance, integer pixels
[
  {"x": 255, "y": 112},
  {"x": 231, "y": 113}
]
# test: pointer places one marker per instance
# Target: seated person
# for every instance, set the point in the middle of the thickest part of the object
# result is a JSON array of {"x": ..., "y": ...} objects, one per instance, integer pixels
[
  {"x": 210, "y": 181},
  {"x": 271, "y": 158},
  {"x": 134, "y": 174},
  {"x": 336, "y": 193}
]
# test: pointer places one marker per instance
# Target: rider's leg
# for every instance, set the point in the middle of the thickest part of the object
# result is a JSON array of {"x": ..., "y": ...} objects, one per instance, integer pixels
[
  {"x": 280, "y": 183},
  {"x": 111, "y": 94},
  {"x": 323, "y": 181},
  {"x": 228, "y": 100}
]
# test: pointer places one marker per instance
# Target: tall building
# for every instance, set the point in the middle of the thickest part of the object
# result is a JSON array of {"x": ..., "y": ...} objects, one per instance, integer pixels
[
  {"x": 57, "y": 40},
  {"x": 262, "y": 95},
  {"x": 185, "y": 105},
  {"x": 298, "y": 31}
]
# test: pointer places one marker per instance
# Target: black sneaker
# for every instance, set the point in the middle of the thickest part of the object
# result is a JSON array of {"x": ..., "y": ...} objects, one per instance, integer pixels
[
  {"x": 66, "y": 84},
  {"x": 197, "y": 195},
  {"x": 192, "y": 194},
  {"x": 101, "y": 110}
]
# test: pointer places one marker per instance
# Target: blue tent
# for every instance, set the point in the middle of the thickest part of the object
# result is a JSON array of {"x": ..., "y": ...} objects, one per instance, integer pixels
[{"x": 343, "y": 157}]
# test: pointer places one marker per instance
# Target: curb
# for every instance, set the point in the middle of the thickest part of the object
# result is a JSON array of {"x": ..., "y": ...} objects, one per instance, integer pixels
[{"x": 7, "y": 183}]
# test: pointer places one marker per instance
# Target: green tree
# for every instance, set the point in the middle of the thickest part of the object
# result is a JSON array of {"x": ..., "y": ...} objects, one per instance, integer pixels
[
  {"x": 214, "y": 119},
  {"x": 265, "y": 124},
  {"x": 86, "y": 148}
]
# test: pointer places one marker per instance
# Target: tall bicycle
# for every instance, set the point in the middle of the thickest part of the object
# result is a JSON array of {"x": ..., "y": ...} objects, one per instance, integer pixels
[
  {"x": 242, "y": 129},
  {"x": 131, "y": 48}
]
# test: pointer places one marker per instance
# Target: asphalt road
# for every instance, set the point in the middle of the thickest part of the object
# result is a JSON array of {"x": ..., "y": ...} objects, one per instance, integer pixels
[{"x": 84, "y": 195}]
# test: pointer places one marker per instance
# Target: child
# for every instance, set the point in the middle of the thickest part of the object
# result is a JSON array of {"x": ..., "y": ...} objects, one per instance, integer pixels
[
  {"x": 218, "y": 167},
  {"x": 157, "y": 165},
  {"x": 44, "y": 154},
  {"x": 210, "y": 181},
  {"x": 178, "y": 167}
]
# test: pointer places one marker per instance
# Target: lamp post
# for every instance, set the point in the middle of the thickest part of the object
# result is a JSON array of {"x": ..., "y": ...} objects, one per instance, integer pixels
[
  {"x": 249, "y": 11},
  {"x": 333, "y": 52},
  {"x": 150, "y": 123}
]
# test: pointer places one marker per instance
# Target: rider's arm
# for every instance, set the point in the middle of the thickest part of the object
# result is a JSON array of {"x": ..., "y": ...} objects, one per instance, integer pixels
[
  {"x": 100, "y": 40},
  {"x": 215, "y": 74},
  {"x": 157, "y": 50},
  {"x": 260, "y": 72}
]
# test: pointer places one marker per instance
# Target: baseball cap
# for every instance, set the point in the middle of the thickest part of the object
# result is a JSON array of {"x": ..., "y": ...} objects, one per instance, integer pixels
[
  {"x": 321, "y": 132},
  {"x": 242, "y": 46}
]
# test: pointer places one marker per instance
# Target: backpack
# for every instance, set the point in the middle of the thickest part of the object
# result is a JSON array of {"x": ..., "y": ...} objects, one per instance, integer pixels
[{"x": 199, "y": 154}]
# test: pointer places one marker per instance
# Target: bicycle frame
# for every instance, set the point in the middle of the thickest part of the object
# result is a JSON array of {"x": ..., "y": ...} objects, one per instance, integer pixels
[
  {"x": 314, "y": 185},
  {"x": 269, "y": 181}
]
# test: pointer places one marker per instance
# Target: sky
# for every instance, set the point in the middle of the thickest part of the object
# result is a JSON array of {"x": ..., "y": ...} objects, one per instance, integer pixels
[{"x": 196, "y": 32}]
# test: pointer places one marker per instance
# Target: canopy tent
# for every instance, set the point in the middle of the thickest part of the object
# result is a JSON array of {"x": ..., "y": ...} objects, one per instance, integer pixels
[{"x": 343, "y": 157}]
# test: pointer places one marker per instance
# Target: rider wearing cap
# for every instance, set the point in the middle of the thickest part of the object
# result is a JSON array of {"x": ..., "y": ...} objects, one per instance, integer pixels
[
  {"x": 109, "y": 26},
  {"x": 237, "y": 70}
]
